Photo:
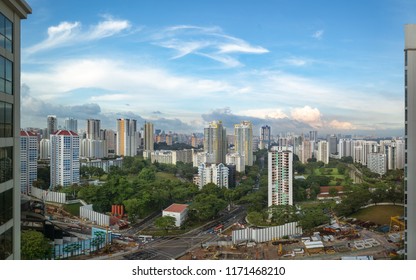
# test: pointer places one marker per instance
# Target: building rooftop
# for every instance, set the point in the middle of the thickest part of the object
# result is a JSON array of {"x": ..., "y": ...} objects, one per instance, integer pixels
[
  {"x": 65, "y": 132},
  {"x": 178, "y": 208},
  {"x": 27, "y": 133}
]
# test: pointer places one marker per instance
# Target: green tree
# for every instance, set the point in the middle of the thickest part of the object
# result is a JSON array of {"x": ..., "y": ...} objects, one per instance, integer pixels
[
  {"x": 34, "y": 246},
  {"x": 312, "y": 217},
  {"x": 255, "y": 218},
  {"x": 147, "y": 174},
  {"x": 282, "y": 214},
  {"x": 165, "y": 223},
  {"x": 207, "y": 206}
]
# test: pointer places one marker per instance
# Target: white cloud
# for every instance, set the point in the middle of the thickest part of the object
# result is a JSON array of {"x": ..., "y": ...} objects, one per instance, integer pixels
[
  {"x": 107, "y": 28},
  {"x": 318, "y": 34},
  {"x": 136, "y": 84},
  {"x": 269, "y": 113},
  {"x": 71, "y": 33},
  {"x": 209, "y": 42},
  {"x": 335, "y": 124},
  {"x": 296, "y": 61},
  {"x": 307, "y": 114}
]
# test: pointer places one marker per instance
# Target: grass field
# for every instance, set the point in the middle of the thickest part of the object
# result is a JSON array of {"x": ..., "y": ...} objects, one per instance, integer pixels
[
  {"x": 379, "y": 214},
  {"x": 166, "y": 176},
  {"x": 73, "y": 209},
  {"x": 334, "y": 174}
]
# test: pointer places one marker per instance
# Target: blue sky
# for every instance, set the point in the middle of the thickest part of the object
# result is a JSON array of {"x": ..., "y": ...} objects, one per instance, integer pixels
[{"x": 331, "y": 66}]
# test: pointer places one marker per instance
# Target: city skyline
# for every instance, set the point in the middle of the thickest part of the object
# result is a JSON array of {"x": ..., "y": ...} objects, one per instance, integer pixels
[{"x": 296, "y": 66}]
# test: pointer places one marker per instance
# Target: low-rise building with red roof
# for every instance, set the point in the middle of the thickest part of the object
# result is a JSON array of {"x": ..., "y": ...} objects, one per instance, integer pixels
[{"x": 178, "y": 211}]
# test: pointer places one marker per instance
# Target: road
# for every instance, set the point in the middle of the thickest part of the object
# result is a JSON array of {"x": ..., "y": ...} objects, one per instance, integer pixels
[{"x": 172, "y": 247}]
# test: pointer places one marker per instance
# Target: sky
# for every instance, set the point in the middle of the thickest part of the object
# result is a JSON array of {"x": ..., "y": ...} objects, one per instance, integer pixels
[{"x": 295, "y": 65}]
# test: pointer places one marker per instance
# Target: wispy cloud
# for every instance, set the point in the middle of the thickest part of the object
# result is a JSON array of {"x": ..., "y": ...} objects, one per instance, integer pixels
[
  {"x": 318, "y": 34},
  {"x": 210, "y": 42},
  {"x": 71, "y": 33}
]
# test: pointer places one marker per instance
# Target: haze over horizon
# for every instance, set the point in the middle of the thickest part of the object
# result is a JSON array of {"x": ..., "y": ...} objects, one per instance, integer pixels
[{"x": 293, "y": 65}]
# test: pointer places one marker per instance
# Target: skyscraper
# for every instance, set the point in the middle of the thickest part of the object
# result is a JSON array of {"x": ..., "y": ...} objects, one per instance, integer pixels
[
  {"x": 11, "y": 12},
  {"x": 215, "y": 141},
  {"x": 265, "y": 137},
  {"x": 244, "y": 141},
  {"x": 71, "y": 124},
  {"x": 93, "y": 129},
  {"x": 307, "y": 151},
  {"x": 64, "y": 147},
  {"x": 313, "y": 135},
  {"x": 333, "y": 143},
  {"x": 410, "y": 140},
  {"x": 126, "y": 137},
  {"x": 148, "y": 139},
  {"x": 28, "y": 160},
  {"x": 323, "y": 152},
  {"x": 280, "y": 189},
  {"x": 51, "y": 125}
]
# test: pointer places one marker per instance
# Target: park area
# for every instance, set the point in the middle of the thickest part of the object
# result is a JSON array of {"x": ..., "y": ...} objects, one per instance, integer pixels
[
  {"x": 337, "y": 179},
  {"x": 379, "y": 214}
]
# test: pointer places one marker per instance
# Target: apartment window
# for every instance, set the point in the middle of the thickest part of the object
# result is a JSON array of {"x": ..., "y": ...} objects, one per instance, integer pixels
[
  {"x": 6, "y": 244},
  {"x": 6, "y": 206},
  {"x": 6, "y": 75},
  {"x": 6, "y": 164},
  {"x": 6, "y": 120},
  {"x": 6, "y": 33},
  {"x": 405, "y": 58},
  {"x": 405, "y": 78},
  {"x": 405, "y": 97}
]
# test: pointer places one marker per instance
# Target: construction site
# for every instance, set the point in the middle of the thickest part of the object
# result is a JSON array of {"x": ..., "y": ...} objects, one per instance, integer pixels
[{"x": 350, "y": 239}]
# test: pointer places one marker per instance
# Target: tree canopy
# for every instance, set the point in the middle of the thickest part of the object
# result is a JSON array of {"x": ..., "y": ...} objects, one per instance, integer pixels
[{"x": 34, "y": 246}]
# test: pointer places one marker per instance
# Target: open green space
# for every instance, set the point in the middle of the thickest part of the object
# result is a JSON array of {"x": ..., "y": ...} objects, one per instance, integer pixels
[
  {"x": 165, "y": 176},
  {"x": 73, "y": 209},
  {"x": 327, "y": 172},
  {"x": 379, "y": 214}
]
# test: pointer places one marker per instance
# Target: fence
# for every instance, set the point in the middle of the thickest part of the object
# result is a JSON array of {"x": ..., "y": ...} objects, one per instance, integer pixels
[
  {"x": 265, "y": 234},
  {"x": 98, "y": 218},
  {"x": 48, "y": 196}
]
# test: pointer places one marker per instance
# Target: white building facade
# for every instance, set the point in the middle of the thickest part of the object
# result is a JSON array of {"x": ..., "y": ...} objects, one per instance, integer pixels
[
  {"x": 28, "y": 160},
  {"x": 280, "y": 177},
  {"x": 64, "y": 150}
]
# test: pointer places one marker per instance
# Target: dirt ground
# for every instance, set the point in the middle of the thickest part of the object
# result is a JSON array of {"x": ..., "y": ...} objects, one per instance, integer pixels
[{"x": 267, "y": 251}]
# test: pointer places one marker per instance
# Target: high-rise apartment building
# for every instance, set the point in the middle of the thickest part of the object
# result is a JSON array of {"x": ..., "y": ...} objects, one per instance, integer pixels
[
  {"x": 44, "y": 150},
  {"x": 243, "y": 144},
  {"x": 71, "y": 124},
  {"x": 93, "y": 129},
  {"x": 237, "y": 160},
  {"x": 377, "y": 163},
  {"x": 213, "y": 173},
  {"x": 333, "y": 144},
  {"x": 313, "y": 135},
  {"x": 110, "y": 137},
  {"x": 126, "y": 137},
  {"x": 215, "y": 141},
  {"x": 410, "y": 140},
  {"x": 306, "y": 151},
  {"x": 51, "y": 125},
  {"x": 28, "y": 160},
  {"x": 280, "y": 189},
  {"x": 265, "y": 137},
  {"x": 148, "y": 140},
  {"x": 323, "y": 152},
  {"x": 194, "y": 141},
  {"x": 64, "y": 147},
  {"x": 11, "y": 12}
]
